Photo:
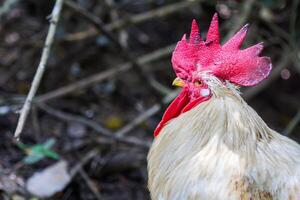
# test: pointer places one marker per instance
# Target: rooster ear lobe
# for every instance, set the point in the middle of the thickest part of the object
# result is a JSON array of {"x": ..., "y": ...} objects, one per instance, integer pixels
[
  {"x": 213, "y": 31},
  {"x": 195, "y": 34}
]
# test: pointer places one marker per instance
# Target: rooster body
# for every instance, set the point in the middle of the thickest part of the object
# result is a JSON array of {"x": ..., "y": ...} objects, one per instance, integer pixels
[{"x": 220, "y": 149}]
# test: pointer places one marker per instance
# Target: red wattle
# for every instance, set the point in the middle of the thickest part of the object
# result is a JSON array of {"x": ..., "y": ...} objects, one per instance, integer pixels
[
  {"x": 173, "y": 110},
  {"x": 180, "y": 104}
]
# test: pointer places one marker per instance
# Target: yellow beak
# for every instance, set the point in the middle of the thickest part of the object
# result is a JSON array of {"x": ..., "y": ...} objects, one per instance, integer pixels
[{"x": 178, "y": 82}]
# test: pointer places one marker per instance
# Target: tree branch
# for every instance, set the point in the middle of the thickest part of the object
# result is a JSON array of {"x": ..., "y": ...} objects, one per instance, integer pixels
[{"x": 41, "y": 67}]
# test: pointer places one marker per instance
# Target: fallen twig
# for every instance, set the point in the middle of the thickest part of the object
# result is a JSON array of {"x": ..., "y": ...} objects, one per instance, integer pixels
[
  {"x": 90, "y": 184},
  {"x": 78, "y": 168},
  {"x": 85, "y": 159},
  {"x": 145, "y": 115},
  {"x": 139, "y": 119},
  {"x": 41, "y": 68}
]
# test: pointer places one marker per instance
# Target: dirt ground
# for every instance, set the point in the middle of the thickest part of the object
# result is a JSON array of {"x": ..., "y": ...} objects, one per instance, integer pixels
[{"x": 108, "y": 80}]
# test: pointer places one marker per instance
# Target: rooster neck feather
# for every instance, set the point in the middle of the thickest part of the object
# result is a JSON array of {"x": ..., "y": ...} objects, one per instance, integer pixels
[{"x": 235, "y": 123}]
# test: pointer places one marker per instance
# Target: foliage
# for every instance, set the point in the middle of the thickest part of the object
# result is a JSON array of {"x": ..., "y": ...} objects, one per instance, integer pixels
[{"x": 37, "y": 152}]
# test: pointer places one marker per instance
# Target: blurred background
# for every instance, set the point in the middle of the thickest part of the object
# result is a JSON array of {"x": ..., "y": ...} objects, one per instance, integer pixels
[{"x": 108, "y": 81}]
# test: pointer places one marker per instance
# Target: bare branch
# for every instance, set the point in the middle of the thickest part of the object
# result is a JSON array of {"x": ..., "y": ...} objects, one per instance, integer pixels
[
  {"x": 41, "y": 68},
  {"x": 145, "y": 115},
  {"x": 90, "y": 184},
  {"x": 85, "y": 159}
]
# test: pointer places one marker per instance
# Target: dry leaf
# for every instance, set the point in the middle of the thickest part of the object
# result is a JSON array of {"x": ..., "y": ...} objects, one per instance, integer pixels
[{"x": 51, "y": 180}]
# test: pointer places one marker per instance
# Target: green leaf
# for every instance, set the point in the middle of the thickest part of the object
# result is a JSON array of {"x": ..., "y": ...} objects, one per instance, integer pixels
[
  {"x": 36, "y": 149},
  {"x": 51, "y": 154},
  {"x": 38, "y": 152}
]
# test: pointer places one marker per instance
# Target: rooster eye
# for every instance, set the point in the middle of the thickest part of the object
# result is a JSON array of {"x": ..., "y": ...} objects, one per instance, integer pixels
[{"x": 197, "y": 83}]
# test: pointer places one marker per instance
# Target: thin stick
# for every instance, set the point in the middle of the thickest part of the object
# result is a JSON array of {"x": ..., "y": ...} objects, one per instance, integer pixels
[
  {"x": 83, "y": 161},
  {"x": 139, "y": 119},
  {"x": 41, "y": 68},
  {"x": 145, "y": 115},
  {"x": 90, "y": 184},
  {"x": 79, "y": 169}
]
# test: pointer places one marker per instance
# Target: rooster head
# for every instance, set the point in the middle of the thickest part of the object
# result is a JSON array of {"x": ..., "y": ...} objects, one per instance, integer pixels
[{"x": 194, "y": 57}]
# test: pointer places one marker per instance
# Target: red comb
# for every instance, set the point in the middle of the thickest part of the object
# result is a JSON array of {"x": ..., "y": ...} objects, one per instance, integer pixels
[{"x": 228, "y": 62}]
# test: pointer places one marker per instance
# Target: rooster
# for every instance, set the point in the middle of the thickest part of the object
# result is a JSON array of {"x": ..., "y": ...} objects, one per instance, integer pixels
[{"x": 210, "y": 144}]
